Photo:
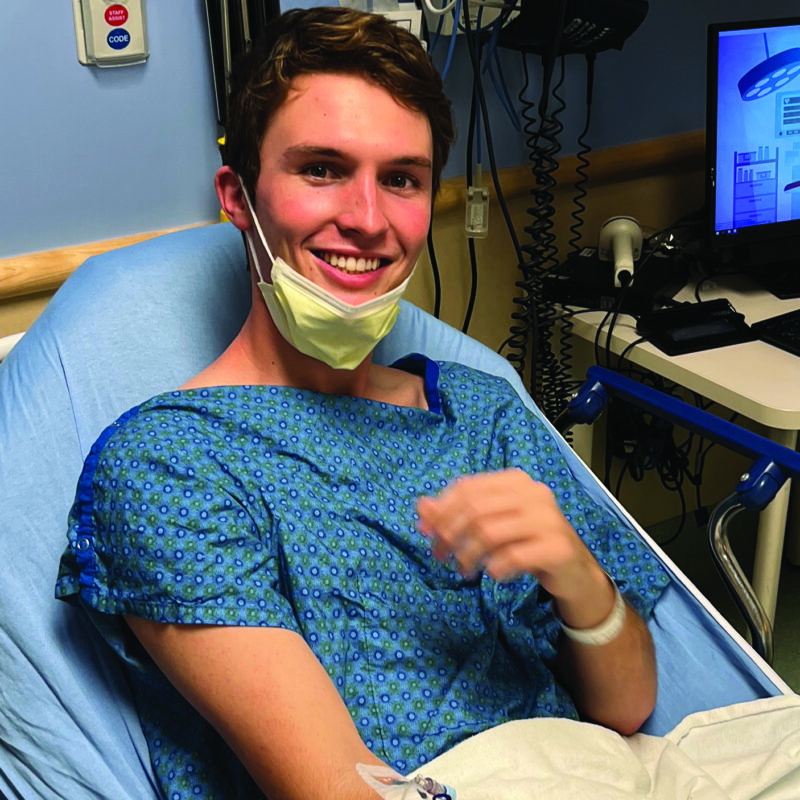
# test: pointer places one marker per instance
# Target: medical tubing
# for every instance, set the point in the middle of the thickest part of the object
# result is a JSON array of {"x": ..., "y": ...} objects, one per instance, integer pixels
[
  {"x": 502, "y": 94},
  {"x": 501, "y": 75},
  {"x": 497, "y": 77},
  {"x": 436, "y": 35},
  {"x": 440, "y": 11},
  {"x": 496, "y": 26},
  {"x": 453, "y": 37}
]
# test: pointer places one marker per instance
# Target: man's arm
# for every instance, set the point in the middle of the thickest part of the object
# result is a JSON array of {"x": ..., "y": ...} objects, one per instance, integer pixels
[
  {"x": 613, "y": 683},
  {"x": 508, "y": 524},
  {"x": 271, "y": 700}
]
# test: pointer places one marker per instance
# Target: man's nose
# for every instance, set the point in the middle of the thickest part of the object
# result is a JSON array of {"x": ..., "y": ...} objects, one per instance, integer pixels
[{"x": 363, "y": 208}]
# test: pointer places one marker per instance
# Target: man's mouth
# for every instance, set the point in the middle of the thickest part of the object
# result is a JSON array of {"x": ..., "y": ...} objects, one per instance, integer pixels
[{"x": 350, "y": 263}]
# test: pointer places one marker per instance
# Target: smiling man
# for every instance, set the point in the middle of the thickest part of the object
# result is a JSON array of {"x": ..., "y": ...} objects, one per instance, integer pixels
[{"x": 310, "y": 561}]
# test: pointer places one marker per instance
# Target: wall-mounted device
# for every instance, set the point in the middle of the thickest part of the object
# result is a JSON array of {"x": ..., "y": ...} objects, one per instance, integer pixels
[
  {"x": 110, "y": 34},
  {"x": 579, "y": 26},
  {"x": 621, "y": 243}
]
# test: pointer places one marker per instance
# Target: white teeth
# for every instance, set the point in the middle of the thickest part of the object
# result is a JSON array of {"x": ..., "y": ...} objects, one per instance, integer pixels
[{"x": 351, "y": 264}]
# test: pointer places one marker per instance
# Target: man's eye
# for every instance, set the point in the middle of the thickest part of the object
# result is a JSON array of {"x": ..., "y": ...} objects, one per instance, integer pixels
[
  {"x": 401, "y": 182},
  {"x": 317, "y": 171}
]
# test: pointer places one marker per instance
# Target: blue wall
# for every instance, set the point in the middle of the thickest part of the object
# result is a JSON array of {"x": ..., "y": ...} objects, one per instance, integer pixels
[{"x": 90, "y": 154}]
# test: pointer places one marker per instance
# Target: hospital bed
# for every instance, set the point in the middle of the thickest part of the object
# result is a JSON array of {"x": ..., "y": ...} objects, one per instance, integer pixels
[{"x": 127, "y": 325}]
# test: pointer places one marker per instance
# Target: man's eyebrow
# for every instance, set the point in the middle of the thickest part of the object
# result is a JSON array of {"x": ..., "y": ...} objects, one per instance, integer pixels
[
  {"x": 302, "y": 150},
  {"x": 317, "y": 151},
  {"x": 414, "y": 161}
]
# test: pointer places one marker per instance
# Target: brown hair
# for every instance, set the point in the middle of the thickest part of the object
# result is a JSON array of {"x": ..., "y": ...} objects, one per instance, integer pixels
[{"x": 330, "y": 40}]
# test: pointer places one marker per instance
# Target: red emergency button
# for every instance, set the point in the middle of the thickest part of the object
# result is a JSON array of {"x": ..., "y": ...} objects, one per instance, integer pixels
[{"x": 116, "y": 15}]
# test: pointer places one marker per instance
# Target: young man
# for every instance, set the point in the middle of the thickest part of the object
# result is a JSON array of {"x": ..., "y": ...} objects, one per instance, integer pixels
[{"x": 332, "y": 561}]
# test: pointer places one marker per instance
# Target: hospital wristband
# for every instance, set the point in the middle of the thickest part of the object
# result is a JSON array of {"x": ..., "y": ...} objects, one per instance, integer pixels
[{"x": 607, "y": 630}]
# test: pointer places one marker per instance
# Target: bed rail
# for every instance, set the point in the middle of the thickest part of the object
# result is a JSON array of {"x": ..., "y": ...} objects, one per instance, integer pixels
[{"x": 772, "y": 466}]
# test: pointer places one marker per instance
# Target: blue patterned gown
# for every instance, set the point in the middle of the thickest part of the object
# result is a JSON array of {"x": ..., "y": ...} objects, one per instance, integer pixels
[{"x": 279, "y": 507}]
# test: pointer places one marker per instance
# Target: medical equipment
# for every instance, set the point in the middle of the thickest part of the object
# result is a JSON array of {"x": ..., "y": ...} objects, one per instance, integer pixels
[
  {"x": 110, "y": 34},
  {"x": 620, "y": 243},
  {"x": 127, "y": 325}
]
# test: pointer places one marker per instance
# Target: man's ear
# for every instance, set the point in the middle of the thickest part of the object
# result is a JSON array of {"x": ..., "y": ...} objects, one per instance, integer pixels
[{"x": 231, "y": 198}]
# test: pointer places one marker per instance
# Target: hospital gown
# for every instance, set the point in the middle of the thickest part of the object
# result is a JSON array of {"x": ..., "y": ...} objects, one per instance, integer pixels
[{"x": 279, "y": 507}]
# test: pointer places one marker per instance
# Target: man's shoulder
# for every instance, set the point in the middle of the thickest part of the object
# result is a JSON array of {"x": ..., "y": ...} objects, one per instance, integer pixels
[
  {"x": 170, "y": 419},
  {"x": 461, "y": 377}
]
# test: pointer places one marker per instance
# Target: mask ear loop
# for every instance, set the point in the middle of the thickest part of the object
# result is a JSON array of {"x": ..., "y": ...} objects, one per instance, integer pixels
[{"x": 248, "y": 235}]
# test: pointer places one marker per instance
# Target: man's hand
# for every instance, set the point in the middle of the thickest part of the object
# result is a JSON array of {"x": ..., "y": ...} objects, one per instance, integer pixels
[{"x": 508, "y": 524}]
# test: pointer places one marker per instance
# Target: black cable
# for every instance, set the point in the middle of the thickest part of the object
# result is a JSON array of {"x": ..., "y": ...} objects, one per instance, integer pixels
[
  {"x": 437, "y": 283},
  {"x": 646, "y": 442},
  {"x": 546, "y": 382},
  {"x": 614, "y": 312},
  {"x": 687, "y": 220},
  {"x": 489, "y": 142},
  {"x": 470, "y": 155},
  {"x": 526, "y": 327},
  {"x": 583, "y": 162},
  {"x": 473, "y": 285},
  {"x": 474, "y": 60},
  {"x": 552, "y": 385},
  {"x": 697, "y": 287},
  {"x": 523, "y": 327},
  {"x": 624, "y": 354}
]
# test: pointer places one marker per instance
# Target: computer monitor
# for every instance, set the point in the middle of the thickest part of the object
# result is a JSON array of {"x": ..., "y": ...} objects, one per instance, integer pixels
[{"x": 753, "y": 150}]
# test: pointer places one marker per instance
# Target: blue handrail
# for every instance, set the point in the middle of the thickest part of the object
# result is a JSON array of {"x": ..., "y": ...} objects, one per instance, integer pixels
[
  {"x": 772, "y": 465},
  {"x": 602, "y": 383}
]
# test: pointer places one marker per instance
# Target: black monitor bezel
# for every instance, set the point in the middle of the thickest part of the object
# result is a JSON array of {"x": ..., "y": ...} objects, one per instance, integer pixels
[{"x": 755, "y": 244}]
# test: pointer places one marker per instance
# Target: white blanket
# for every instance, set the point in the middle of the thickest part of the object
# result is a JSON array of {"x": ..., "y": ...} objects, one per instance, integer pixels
[{"x": 745, "y": 751}]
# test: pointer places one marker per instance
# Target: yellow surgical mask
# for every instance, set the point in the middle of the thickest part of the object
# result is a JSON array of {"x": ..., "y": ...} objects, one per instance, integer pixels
[{"x": 315, "y": 322}]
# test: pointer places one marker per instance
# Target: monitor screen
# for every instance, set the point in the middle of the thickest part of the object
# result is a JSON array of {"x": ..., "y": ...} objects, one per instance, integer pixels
[{"x": 753, "y": 143}]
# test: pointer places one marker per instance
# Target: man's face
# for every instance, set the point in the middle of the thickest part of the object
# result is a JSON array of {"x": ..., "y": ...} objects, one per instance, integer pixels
[{"x": 344, "y": 193}]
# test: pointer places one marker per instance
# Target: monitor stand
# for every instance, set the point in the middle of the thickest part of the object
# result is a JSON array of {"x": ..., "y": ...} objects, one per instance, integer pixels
[{"x": 781, "y": 279}]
